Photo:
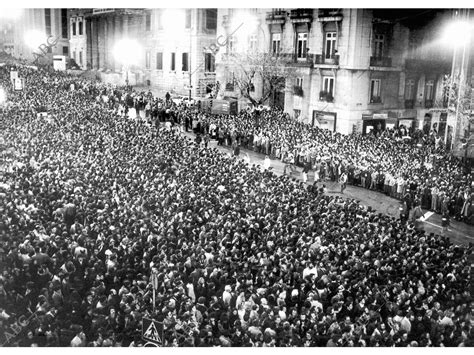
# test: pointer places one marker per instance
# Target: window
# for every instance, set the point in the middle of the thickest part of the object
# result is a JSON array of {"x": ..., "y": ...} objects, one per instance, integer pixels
[
  {"x": 173, "y": 61},
  {"x": 159, "y": 19},
  {"x": 330, "y": 44},
  {"x": 276, "y": 40},
  {"x": 328, "y": 86},
  {"x": 253, "y": 43},
  {"x": 47, "y": 21},
  {"x": 378, "y": 45},
  {"x": 409, "y": 89},
  {"x": 159, "y": 60},
  {"x": 80, "y": 28},
  {"x": 74, "y": 56},
  {"x": 65, "y": 50},
  {"x": 297, "y": 113},
  {"x": 429, "y": 90},
  {"x": 185, "y": 62},
  {"x": 375, "y": 91},
  {"x": 299, "y": 82},
  {"x": 148, "y": 21},
  {"x": 301, "y": 45},
  {"x": 64, "y": 23},
  {"x": 209, "y": 63},
  {"x": 73, "y": 28},
  {"x": 211, "y": 19},
  {"x": 187, "y": 21},
  {"x": 147, "y": 60},
  {"x": 80, "y": 58}
]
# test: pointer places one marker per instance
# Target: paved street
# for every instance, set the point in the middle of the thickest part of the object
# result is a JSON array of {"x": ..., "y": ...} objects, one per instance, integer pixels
[{"x": 459, "y": 233}]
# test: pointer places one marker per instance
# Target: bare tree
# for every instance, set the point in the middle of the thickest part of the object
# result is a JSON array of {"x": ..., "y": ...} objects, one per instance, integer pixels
[{"x": 268, "y": 69}]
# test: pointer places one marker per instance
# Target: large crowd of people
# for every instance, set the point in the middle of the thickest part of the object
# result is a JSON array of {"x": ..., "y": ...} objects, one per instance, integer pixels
[
  {"x": 394, "y": 161},
  {"x": 94, "y": 205}
]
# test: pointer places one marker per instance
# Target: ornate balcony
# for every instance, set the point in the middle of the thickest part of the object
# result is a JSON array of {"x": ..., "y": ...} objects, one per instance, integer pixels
[
  {"x": 298, "y": 90},
  {"x": 277, "y": 16},
  {"x": 301, "y": 15},
  {"x": 380, "y": 61},
  {"x": 321, "y": 59},
  {"x": 326, "y": 15},
  {"x": 325, "y": 96}
]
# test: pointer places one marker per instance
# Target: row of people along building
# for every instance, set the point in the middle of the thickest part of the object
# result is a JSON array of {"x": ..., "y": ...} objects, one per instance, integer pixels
[{"x": 353, "y": 70}]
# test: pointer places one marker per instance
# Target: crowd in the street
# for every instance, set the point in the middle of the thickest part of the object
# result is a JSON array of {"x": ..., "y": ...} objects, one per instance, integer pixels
[
  {"x": 385, "y": 161},
  {"x": 92, "y": 203}
]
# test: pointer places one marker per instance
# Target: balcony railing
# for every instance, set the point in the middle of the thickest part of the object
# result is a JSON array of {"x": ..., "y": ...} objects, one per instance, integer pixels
[
  {"x": 380, "y": 61},
  {"x": 298, "y": 90},
  {"x": 325, "y": 96},
  {"x": 323, "y": 59},
  {"x": 329, "y": 12},
  {"x": 276, "y": 16},
  {"x": 375, "y": 100},
  {"x": 301, "y": 15},
  {"x": 409, "y": 103},
  {"x": 428, "y": 103},
  {"x": 293, "y": 60}
]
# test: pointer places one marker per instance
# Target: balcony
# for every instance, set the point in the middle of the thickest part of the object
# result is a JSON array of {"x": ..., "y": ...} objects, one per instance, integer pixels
[
  {"x": 375, "y": 100},
  {"x": 322, "y": 59},
  {"x": 409, "y": 103},
  {"x": 325, "y": 96},
  {"x": 327, "y": 15},
  {"x": 428, "y": 103},
  {"x": 291, "y": 59},
  {"x": 380, "y": 61},
  {"x": 277, "y": 16},
  {"x": 298, "y": 90},
  {"x": 301, "y": 16}
]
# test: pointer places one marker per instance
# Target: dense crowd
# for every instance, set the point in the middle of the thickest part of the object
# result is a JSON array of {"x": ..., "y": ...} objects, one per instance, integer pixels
[
  {"x": 93, "y": 203},
  {"x": 394, "y": 161}
]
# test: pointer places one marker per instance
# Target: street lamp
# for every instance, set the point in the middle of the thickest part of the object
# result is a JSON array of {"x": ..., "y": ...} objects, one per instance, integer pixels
[
  {"x": 127, "y": 51},
  {"x": 458, "y": 33},
  {"x": 34, "y": 38}
]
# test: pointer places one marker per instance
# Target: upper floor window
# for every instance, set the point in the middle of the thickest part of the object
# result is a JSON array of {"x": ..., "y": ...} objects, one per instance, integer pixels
[
  {"x": 209, "y": 63},
  {"x": 375, "y": 91},
  {"x": 330, "y": 46},
  {"x": 429, "y": 90},
  {"x": 187, "y": 22},
  {"x": 379, "y": 42},
  {"x": 148, "y": 21},
  {"x": 211, "y": 19},
  {"x": 410, "y": 89},
  {"x": 80, "y": 28},
  {"x": 276, "y": 41},
  {"x": 253, "y": 43},
  {"x": 301, "y": 45}
]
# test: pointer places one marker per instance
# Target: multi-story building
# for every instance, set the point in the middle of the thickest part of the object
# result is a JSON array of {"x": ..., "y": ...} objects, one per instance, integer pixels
[
  {"x": 172, "y": 41},
  {"x": 78, "y": 36},
  {"x": 40, "y": 33},
  {"x": 352, "y": 70}
]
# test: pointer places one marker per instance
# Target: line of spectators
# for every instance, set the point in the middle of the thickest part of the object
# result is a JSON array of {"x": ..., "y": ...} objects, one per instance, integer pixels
[{"x": 92, "y": 203}]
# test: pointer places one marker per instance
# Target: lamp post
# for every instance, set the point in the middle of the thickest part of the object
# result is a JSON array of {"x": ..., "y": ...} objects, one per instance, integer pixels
[
  {"x": 458, "y": 33},
  {"x": 126, "y": 51}
]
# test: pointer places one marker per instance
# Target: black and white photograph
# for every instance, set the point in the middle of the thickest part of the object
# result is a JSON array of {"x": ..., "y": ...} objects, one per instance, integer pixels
[{"x": 213, "y": 174}]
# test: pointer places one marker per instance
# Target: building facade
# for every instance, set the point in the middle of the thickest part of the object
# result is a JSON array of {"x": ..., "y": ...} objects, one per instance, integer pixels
[
  {"x": 353, "y": 70},
  {"x": 172, "y": 41},
  {"x": 78, "y": 36},
  {"x": 38, "y": 34}
]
